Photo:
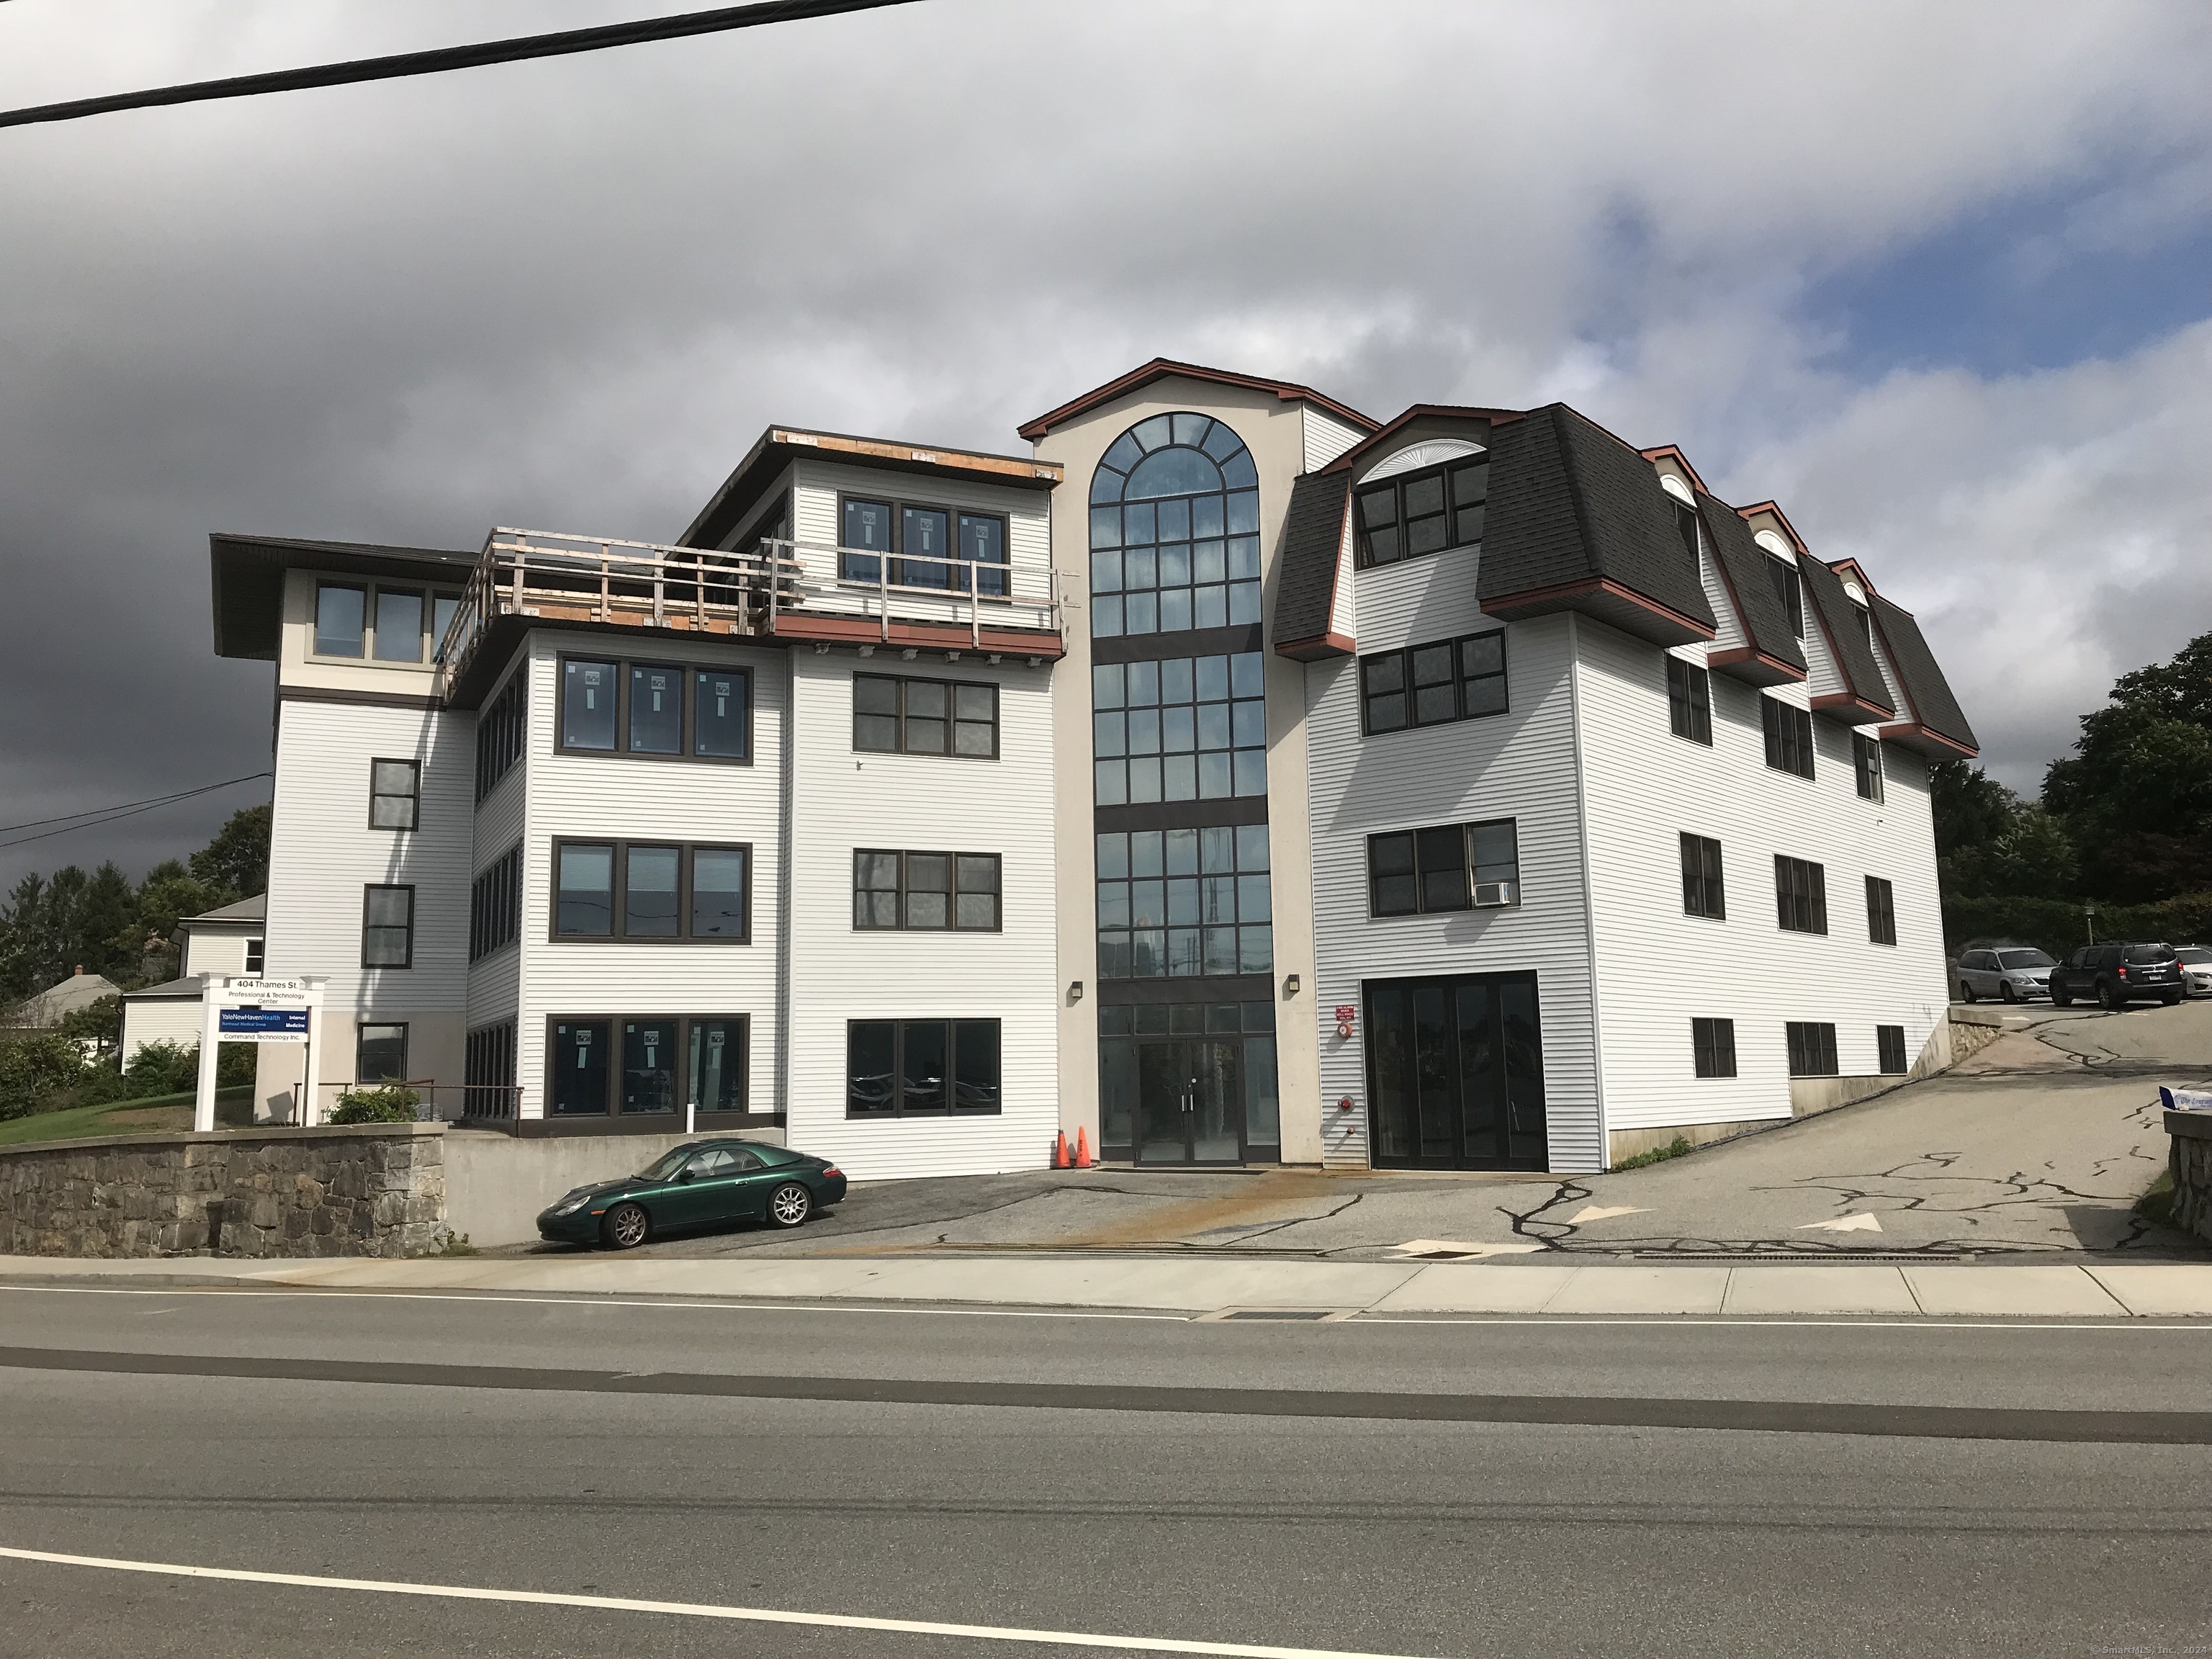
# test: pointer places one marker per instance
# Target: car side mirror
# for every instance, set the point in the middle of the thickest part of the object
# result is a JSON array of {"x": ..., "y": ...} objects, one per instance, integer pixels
[{"x": 685, "y": 1176}]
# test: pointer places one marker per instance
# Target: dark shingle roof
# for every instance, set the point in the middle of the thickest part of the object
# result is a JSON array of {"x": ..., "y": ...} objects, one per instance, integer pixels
[
  {"x": 1932, "y": 701},
  {"x": 1743, "y": 564},
  {"x": 1569, "y": 503},
  {"x": 1312, "y": 538},
  {"x": 1854, "y": 656}
]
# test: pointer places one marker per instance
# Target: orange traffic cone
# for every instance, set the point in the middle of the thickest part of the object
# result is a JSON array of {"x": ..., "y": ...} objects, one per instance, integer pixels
[
  {"x": 1082, "y": 1148},
  {"x": 1060, "y": 1152}
]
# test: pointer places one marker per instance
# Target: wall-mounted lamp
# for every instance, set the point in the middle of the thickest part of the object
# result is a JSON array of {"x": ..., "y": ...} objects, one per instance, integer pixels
[
  {"x": 1289, "y": 985},
  {"x": 1075, "y": 990}
]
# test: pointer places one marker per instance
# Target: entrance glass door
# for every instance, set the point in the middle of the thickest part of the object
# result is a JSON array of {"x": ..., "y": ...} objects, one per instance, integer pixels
[
  {"x": 1190, "y": 1102},
  {"x": 1456, "y": 1073}
]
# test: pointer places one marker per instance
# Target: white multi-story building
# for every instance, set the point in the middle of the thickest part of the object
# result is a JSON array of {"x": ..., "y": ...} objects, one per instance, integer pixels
[{"x": 1235, "y": 779}]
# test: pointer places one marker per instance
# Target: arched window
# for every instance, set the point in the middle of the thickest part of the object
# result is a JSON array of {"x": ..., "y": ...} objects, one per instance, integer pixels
[{"x": 1174, "y": 530}]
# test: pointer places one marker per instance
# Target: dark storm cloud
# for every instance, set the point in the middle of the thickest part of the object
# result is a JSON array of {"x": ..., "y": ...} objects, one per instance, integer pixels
[{"x": 569, "y": 294}]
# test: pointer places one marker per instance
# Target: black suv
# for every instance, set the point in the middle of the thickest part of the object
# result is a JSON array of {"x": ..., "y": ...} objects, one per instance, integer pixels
[{"x": 2117, "y": 974}]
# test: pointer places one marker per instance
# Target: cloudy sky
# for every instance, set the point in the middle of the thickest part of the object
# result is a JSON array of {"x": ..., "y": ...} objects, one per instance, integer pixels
[{"x": 1937, "y": 278}]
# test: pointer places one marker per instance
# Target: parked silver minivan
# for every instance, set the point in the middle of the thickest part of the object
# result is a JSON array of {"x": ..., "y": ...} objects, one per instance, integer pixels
[{"x": 2011, "y": 973}]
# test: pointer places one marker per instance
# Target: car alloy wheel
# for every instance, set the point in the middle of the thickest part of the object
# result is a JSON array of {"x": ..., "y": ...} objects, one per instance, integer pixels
[
  {"x": 625, "y": 1227},
  {"x": 789, "y": 1205}
]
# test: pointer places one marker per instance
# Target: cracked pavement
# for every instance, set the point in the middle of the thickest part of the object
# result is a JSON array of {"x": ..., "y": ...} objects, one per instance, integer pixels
[{"x": 2039, "y": 1145}]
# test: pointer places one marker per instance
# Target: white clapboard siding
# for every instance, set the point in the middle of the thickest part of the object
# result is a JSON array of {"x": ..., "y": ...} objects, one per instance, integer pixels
[
  {"x": 816, "y": 486},
  {"x": 1518, "y": 765},
  {"x": 617, "y": 798},
  {"x": 322, "y": 854},
  {"x": 842, "y": 800},
  {"x": 1730, "y": 631},
  {"x": 1417, "y": 600},
  {"x": 1326, "y": 437},
  {"x": 1658, "y": 969}
]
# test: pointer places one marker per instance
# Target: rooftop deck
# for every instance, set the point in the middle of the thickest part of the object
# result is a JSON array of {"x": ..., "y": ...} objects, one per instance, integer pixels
[{"x": 779, "y": 591}]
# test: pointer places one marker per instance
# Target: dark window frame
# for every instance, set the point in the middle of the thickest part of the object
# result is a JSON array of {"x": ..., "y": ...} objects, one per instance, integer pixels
[
  {"x": 1812, "y": 1046},
  {"x": 1421, "y": 872},
  {"x": 683, "y": 1023},
  {"x": 897, "y": 1109},
  {"x": 1705, "y": 885},
  {"x": 953, "y": 720},
  {"x": 488, "y": 1074},
  {"x": 1801, "y": 895},
  {"x": 1890, "y": 1057},
  {"x": 1690, "y": 702},
  {"x": 1713, "y": 1046},
  {"x": 1881, "y": 911},
  {"x": 687, "y": 675},
  {"x": 257, "y": 957},
  {"x": 897, "y": 556},
  {"x": 1173, "y": 949},
  {"x": 1788, "y": 732},
  {"x": 1788, "y": 590},
  {"x": 953, "y": 925},
  {"x": 1461, "y": 683},
  {"x": 361, "y": 1041},
  {"x": 1446, "y": 474},
  {"x": 413, "y": 797},
  {"x": 1867, "y": 768},
  {"x": 495, "y": 905},
  {"x": 368, "y": 888},
  {"x": 502, "y": 732},
  {"x": 619, "y": 898}
]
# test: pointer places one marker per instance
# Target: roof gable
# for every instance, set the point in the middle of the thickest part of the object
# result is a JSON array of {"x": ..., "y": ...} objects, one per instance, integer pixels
[{"x": 1161, "y": 368}]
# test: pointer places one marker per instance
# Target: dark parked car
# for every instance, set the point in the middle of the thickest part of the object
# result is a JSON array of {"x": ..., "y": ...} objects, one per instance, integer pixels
[
  {"x": 701, "y": 1183},
  {"x": 2117, "y": 974},
  {"x": 2008, "y": 972}
]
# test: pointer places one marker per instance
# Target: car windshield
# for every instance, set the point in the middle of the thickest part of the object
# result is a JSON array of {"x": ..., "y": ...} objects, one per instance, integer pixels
[
  {"x": 2149, "y": 953},
  {"x": 2194, "y": 953},
  {"x": 2024, "y": 959},
  {"x": 665, "y": 1166}
]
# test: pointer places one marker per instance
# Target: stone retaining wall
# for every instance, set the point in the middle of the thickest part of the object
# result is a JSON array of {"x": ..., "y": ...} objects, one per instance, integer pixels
[
  {"x": 2191, "y": 1162},
  {"x": 357, "y": 1190}
]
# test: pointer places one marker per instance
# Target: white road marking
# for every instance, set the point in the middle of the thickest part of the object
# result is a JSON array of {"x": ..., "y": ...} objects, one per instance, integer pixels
[
  {"x": 701, "y": 1609},
  {"x": 1845, "y": 1224},
  {"x": 1600, "y": 1212},
  {"x": 1455, "y": 1247}
]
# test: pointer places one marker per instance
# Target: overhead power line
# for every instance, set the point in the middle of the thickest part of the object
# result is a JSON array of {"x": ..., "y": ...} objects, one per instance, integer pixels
[
  {"x": 95, "y": 817},
  {"x": 441, "y": 58}
]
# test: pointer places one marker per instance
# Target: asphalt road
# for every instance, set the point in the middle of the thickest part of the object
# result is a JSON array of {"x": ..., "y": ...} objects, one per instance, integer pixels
[
  {"x": 2038, "y": 1147},
  {"x": 2027, "y": 1489}
]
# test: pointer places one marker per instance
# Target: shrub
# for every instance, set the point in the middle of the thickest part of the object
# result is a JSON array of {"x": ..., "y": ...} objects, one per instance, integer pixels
[
  {"x": 161, "y": 1068},
  {"x": 1674, "y": 1148},
  {"x": 392, "y": 1103},
  {"x": 35, "y": 1068}
]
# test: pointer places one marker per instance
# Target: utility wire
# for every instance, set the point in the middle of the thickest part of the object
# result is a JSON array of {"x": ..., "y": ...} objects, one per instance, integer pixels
[
  {"x": 442, "y": 58},
  {"x": 98, "y": 816}
]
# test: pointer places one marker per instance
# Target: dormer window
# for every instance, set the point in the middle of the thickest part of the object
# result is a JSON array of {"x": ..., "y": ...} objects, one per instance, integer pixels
[
  {"x": 1788, "y": 589},
  {"x": 1425, "y": 512}
]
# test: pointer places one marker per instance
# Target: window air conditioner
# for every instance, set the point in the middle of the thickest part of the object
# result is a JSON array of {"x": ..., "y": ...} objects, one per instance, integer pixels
[{"x": 1490, "y": 894}]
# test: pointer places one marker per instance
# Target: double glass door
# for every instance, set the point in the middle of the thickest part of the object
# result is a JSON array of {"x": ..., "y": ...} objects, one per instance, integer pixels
[
  {"x": 1456, "y": 1073},
  {"x": 1190, "y": 1102}
]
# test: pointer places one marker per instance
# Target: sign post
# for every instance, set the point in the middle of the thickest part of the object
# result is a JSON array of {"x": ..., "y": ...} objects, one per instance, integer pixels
[{"x": 238, "y": 1009}]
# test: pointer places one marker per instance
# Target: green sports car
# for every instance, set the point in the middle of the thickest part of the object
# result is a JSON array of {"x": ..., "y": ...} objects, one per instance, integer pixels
[{"x": 701, "y": 1183}]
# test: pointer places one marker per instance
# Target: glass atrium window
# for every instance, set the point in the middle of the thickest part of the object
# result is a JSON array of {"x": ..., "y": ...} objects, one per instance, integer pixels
[
  {"x": 1175, "y": 524},
  {"x": 1187, "y": 728},
  {"x": 1184, "y": 902}
]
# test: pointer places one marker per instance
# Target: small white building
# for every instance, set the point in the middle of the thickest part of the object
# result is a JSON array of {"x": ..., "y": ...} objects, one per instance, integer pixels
[
  {"x": 1236, "y": 779},
  {"x": 225, "y": 940}
]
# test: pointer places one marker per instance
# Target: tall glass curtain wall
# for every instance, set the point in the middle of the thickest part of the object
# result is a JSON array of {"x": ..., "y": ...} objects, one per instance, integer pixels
[{"x": 1186, "y": 955}]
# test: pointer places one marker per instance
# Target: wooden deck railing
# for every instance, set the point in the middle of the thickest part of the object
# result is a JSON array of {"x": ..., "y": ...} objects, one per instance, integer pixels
[{"x": 564, "y": 578}]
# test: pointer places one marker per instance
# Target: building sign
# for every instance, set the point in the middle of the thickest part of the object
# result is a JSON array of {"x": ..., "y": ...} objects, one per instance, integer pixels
[{"x": 263, "y": 1024}]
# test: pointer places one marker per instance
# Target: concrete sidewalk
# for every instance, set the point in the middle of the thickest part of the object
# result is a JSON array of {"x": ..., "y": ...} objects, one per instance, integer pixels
[{"x": 1215, "y": 1285}]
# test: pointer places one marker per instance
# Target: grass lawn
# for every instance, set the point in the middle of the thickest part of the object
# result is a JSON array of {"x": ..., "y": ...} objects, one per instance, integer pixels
[{"x": 155, "y": 1114}]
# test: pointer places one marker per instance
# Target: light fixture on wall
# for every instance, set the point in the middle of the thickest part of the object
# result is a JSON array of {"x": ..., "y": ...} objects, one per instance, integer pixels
[
  {"x": 1075, "y": 990},
  {"x": 1289, "y": 985}
]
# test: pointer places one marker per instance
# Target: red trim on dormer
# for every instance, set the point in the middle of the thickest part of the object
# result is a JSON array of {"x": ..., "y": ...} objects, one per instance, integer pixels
[
  {"x": 1788, "y": 528},
  {"x": 1674, "y": 452}
]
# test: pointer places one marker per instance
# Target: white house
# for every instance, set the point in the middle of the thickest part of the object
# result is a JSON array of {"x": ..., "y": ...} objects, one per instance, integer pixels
[
  {"x": 225, "y": 940},
  {"x": 1234, "y": 778}
]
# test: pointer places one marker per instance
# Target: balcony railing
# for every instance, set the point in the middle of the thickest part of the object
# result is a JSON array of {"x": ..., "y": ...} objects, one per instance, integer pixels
[{"x": 563, "y": 577}]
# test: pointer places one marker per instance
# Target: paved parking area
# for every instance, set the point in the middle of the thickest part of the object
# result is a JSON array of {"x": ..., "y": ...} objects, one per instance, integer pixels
[{"x": 2039, "y": 1145}]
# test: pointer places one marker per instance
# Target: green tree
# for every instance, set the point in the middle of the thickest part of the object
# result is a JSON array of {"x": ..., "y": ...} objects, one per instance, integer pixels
[
  {"x": 2135, "y": 795},
  {"x": 238, "y": 858}
]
